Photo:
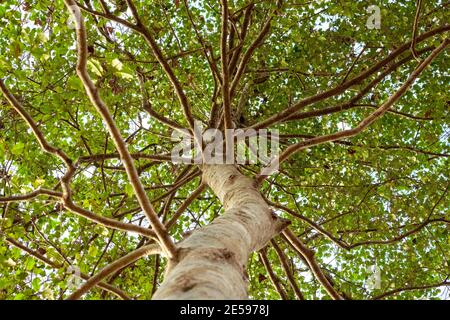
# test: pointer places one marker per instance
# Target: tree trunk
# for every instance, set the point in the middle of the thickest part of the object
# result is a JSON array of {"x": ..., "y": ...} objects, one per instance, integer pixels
[{"x": 212, "y": 261}]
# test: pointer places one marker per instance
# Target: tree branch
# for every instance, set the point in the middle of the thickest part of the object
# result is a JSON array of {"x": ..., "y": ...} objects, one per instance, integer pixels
[
  {"x": 352, "y": 102},
  {"x": 194, "y": 195},
  {"x": 146, "y": 105},
  {"x": 113, "y": 267},
  {"x": 17, "y": 106},
  {"x": 314, "y": 225},
  {"x": 42, "y": 258},
  {"x": 365, "y": 122},
  {"x": 273, "y": 278},
  {"x": 142, "y": 29},
  {"x": 253, "y": 46},
  {"x": 93, "y": 94},
  {"x": 415, "y": 28},
  {"x": 237, "y": 51},
  {"x": 31, "y": 195},
  {"x": 71, "y": 167},
  {"x": 210, "y": 60},
  {"x": 344, "y": 86},
  {"x": 308, "y": 256},
  {"x": 287, "y": 270},
  {"x": 225, "y": 71},
  {"x": 107, "y": 15},
  {"x": 411, "y": 288}
]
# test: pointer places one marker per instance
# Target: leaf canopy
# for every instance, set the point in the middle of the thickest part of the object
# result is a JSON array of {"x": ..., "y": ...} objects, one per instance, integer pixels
[{"x": 382, "y": 193}]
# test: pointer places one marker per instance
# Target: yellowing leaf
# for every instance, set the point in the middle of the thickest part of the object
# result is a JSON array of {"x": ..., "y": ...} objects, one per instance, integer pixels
[
  {"x": 42, "y": 37},
  {"x": 10, "y": 262},
  {"x": 45, "y": 57},
  {"x": 39, "y": 182},
  {"x": 117, "y": 64},
  {"x": 92, "y": 251},
  {"x": 95, "y": 67},
  {"x": 125, "y": 75}
]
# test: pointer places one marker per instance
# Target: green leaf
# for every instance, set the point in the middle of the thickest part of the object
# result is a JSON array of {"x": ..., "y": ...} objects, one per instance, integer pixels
[
  {"x": 30, "y": 264},
  {"x": 17, "y": 149},
  {"x": 93, "y": 250},
  {"x": 35, "y": 284},
  {"x": 129, "y": 190}
]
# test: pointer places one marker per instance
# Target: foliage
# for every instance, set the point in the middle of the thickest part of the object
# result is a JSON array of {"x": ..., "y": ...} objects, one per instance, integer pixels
[{"x": 376, "y": 186}]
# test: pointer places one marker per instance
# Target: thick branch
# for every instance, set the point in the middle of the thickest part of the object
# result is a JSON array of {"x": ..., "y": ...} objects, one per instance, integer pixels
[
  {"x": 142, "y": 29},
  {"x": 42, "y": 258},
  {"x": 237, "y": 51},
  {"x": 308, "y": 256},
  {"x": 113, "y": 267},
  {"x": 287, "y": 270},
  {"x": 273, "y": 278},
  {"x": 314, "y": 225},
  {"x": 253, "y": 46},
  {"x": 31, "y": 195},
  {"x": 93, "y": 94},
  {"x": 68, "y": 204},
  {"x": 107, "y": 15},
  {"x": 33, "y": 126},
  {"x": 344, "y": 86},
  {"x": 368, "y": 120},
  {"x": 352, "y": 102},
  {"x": 415, "y": 28},
  {"x": 108, "y": 222},
  {"x": 225, "y": 71}
]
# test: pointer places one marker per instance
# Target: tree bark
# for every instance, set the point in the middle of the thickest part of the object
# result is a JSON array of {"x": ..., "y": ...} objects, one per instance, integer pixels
[{"x": 212, "y": 260}]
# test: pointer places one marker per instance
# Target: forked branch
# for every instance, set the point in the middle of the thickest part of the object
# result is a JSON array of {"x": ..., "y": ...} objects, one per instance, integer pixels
[{"x": 365, "y": 122}]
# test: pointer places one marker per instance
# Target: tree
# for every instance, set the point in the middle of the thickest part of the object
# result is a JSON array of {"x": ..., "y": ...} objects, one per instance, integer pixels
[{"x": 93, "y": 92}]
